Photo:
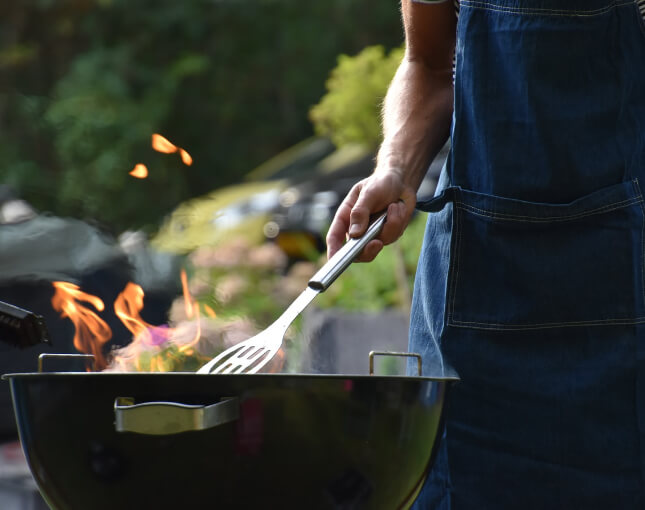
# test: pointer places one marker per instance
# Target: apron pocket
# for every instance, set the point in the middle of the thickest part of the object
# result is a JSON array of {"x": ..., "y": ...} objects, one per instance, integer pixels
[{"x": 519, "y": 265}]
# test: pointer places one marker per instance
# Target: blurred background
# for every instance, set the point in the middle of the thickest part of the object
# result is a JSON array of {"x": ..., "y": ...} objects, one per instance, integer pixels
[{"x": 197, "y": 150}]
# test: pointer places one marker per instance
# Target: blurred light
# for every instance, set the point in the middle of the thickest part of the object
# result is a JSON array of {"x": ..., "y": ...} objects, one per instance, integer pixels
[
  {"x": 326, "y": 198},
  {"x": 319, "y": 213},
  {"x": 271, "y": 230},
  {"x": 289, "y": 197}
]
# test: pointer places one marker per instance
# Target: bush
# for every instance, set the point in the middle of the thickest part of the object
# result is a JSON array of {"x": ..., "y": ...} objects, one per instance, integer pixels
[{"x": 350, "y": 111}]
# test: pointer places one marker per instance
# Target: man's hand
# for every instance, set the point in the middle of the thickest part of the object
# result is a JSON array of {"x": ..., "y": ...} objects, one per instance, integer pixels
[{"x": 382, "y": 190}]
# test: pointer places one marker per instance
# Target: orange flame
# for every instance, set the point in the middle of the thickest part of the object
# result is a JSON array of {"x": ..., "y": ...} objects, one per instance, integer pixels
[
  {"x": 140, "y": 171},
  {"x": 192, "y": 311},
  {"x": 162, "y": 144},
  {"x": 128, "y": 306},
  {"x": 91, "y": 332},
  {"x": 185, "y": 157},
  {"x": 188, "y": 300}
]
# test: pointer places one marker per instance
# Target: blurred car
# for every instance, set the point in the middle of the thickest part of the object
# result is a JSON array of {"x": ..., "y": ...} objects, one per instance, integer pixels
[
  {"x": 300, "y": 221},
  {"x": 290, "y": 200},
  {"x": 305, "y": 208}
]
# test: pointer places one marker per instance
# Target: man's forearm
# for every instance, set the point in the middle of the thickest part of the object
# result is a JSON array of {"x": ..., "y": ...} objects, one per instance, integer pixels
[{"x": 417, "y": 114}]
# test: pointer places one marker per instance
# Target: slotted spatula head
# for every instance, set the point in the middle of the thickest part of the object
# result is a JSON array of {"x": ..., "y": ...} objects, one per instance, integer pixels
[
  {"x": 248, "y": 356},
  {"x": 251, "y": 355}
]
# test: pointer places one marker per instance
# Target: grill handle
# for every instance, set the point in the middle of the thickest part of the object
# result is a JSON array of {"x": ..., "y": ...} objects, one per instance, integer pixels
[
  {"x": 167, "y": 418},
  {"x": 399, "y": 354}
]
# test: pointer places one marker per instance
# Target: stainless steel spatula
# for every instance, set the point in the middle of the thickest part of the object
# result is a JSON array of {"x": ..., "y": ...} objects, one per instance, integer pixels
[{"x": 251, "y": 355}]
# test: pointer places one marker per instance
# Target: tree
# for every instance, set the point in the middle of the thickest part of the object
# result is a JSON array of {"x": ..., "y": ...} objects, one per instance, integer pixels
[
  {"x": 350, "y": 111},
  {"x": 84, "y": 84}
]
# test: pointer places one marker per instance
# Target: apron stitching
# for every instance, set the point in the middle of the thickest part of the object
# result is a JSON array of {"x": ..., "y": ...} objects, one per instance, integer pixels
[
  {"x": 537, "y": 219},
  {"x": 537, "y": 11},
  {"x": 638, "y": 190},
  {"x": 546, "y": 325},
  {"x": 457, "y": 251}
]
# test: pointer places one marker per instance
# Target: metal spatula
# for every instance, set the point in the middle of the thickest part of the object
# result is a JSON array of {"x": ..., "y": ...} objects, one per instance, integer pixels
[{"x": 251, "y": 355}]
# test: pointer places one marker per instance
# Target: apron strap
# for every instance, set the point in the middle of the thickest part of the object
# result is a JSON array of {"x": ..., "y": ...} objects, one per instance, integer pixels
[{"x": 436, "y": 203}]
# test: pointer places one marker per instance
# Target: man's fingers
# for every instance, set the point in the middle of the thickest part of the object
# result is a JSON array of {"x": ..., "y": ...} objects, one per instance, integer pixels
[
  {"x": 371, "y": 250},
  {"x": 398, "y": 217},
  {"x": 359, "y": 220},
  {"x": 366, "y": 205},
  {"x": 337, "y": 233}
]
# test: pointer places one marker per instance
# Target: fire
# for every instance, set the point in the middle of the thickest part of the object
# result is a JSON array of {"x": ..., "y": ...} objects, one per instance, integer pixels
[
  {"x": 153, "y": 348},
  {"x": 91, "y": 332},
  {"x": 128, "y": 306},
  {"x": 162, "y": 144},
  {"x": 139, "y": 171},
  {"x": 185, "y": 157},
  {"x": 189, "y": 303}
]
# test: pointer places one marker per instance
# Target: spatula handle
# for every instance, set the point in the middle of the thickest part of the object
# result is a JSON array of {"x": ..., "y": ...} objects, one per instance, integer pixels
[{"x": 344, "y": 257}]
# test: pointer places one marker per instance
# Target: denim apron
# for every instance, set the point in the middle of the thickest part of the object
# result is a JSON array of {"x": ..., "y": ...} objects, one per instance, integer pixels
[{"x": 530, "y": 280}]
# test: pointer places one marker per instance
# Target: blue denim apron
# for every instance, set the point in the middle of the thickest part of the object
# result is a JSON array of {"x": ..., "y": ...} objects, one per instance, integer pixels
[{"x": 530, "y": 280}]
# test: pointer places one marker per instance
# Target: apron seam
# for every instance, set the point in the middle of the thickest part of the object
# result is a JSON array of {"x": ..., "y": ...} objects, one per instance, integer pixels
[
  {"x": 547, "y": 325},
  {"x": 488, "y": 6},
  {"x": 538, "y": 219},
  {"x": 638, "y": 190},
  {"x": 457, "y": 252}
]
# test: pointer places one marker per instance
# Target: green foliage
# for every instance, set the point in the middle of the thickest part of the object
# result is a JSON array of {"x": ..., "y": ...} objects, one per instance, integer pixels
[
  {"x": 350, "y": 111},
  {"x": 84, "y": 84},
  {"x": 100, "y": 127}
]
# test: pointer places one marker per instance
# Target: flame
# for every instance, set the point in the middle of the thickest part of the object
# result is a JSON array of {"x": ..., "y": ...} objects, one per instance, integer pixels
[
  {"x": 140, "y": 171},
  {"x": 153, "y": 348},
  {"x": 162, "y": 144},
  {"x": 192, "y": 312},
  {"x": 128, "y": 306},
  {"x": 188, "y": 300},
  {"x": 91, "y": 332},
  {"x": 185, "y": 157}
]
